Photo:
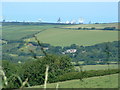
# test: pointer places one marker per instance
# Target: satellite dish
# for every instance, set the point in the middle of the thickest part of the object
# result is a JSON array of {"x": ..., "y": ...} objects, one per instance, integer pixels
[
  {"x": 40, "y": 20},
  {"x": 73, "y": 22},
  {"x": 67, "y": 22},
  {"x": 81, "y": 20}
]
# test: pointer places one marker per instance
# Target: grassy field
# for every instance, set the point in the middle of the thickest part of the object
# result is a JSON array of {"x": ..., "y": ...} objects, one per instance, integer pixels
[
  {"x": 64, "y": 37},
  {"x": 98, "y": 26},
  {"x": 16, "y": 32},
  {"x": 108, "y": 81},
  {"x": 61, "y": 37},
  {"x": 98, "y": 67}
]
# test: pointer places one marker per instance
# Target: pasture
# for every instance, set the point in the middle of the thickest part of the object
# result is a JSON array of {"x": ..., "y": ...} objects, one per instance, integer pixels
[
  {"x": 108, "y": 81},
  {"x": 57, "y": 35},
  {"x": 16, "y": 32},
  {"x": 64, "y": 37},
  {"x": 97, "y": 67},
  {"x": 98, "y": 26}
]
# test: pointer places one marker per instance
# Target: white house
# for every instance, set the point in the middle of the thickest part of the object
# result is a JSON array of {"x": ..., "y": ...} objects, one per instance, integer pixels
[{"x": 71, "y": 51}]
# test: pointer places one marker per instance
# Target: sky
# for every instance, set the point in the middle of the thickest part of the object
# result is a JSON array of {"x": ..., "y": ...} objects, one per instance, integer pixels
[{"x": 102, "y": 12}]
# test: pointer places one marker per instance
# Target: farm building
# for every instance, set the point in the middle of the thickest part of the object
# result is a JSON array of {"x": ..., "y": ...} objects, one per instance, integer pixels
[{"x": 70, "y": 51}]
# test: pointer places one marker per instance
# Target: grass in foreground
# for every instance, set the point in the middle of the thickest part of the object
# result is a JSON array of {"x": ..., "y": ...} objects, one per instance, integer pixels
[{"x": 108, "y": 81}]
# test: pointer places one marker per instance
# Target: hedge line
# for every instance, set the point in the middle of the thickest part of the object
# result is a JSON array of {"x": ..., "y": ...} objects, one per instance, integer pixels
[{"x": 85, "y": 74}]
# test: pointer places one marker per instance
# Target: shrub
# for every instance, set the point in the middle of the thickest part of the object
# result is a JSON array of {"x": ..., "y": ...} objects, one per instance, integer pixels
[
  {"x": 109, "y": 28},
  {"x": 86, "y": 74},
  {"x": 93, "y": 28},
  {"x": 79, "y": 28},
  {"x": 35, "y": 70}
]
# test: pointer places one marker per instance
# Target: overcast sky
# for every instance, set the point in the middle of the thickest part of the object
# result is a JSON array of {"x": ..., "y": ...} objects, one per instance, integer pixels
[{"x": 51, "y": 11}]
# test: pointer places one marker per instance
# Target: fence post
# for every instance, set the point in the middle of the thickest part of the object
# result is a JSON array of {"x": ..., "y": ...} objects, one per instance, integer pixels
[{"x": 46, "y": 77}]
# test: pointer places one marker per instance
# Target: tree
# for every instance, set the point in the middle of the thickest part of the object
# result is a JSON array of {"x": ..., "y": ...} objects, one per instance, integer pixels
[
  {"x": 58, "y": 65},
  {"x": 12, "y": 72}
]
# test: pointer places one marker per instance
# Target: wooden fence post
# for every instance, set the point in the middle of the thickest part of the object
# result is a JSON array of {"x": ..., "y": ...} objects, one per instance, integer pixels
[{"x": 46, "y": 77}]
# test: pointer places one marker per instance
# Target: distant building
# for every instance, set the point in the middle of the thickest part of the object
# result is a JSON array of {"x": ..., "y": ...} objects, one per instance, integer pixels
[
  {"x": 30, "y": 44},
  {"x": 46, "y": 48},
  {"x": 81, "y": 21},
  {"x": 73, "y": 22},
  {"x": 40, "y": 20},
  {"x": 70, "y": 51},
  {"x": 63, "y": 52},
  {"x": 67, "y": 22},
  {"x": 83, "y": 51},
  {"x": 19, "y": 62}
]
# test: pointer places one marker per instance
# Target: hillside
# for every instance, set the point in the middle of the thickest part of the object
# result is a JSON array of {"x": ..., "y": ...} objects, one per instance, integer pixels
[
  {"x": 64, "y": 37},
  {"x": 95, "y": 48},
  {"x": 98, "y": 26},
  {"x": 17, "y": 38},
  {"x": 57, "y": 35},
  {"x": 108, "y": 81}
]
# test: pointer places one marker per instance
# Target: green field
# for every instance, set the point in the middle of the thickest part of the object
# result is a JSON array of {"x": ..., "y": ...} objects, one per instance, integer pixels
[
  {"x": 16, "y": 32},
  {"x": 108, "y": 81},
  {"x": 57, "y": 35},
  {"x": 98, "y": 26},
  {"x": 98, "y": 67},
  {"x": 64, "y": 37}
]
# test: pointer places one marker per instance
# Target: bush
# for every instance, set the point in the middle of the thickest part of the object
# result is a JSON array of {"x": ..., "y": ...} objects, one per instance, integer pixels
[
  {"x": 109, "y": 28},
  {"x": 93, "y": 28},
  {"x": 60, "y": 70},
  {"x": 85, "y": 28},
  {"x": 11, "y": 70},
  {"x": 35, "y": 70},
  {"x": 79, "y": 28},
  {"x": 91, "y": 73}
]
